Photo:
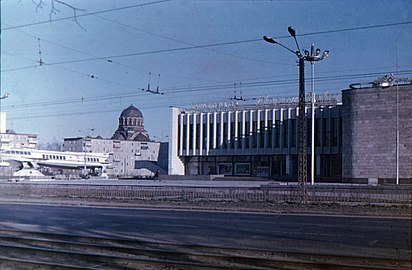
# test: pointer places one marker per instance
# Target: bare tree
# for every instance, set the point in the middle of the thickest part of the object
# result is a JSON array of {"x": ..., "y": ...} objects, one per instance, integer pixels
[{"x": 40, "y": 4}]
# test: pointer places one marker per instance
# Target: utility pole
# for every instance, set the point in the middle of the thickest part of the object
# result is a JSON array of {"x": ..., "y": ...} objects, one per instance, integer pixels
[{"x": 302, "y": 124}]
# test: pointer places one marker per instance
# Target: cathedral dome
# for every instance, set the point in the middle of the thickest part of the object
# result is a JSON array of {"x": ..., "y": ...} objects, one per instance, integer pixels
[
  {"x": 131, "y": 111},
  {"x": 131, "y": 127}
]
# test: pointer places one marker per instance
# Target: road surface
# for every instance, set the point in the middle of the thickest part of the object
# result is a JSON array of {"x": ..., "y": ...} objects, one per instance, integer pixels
[{"x": 343, "y": 235}]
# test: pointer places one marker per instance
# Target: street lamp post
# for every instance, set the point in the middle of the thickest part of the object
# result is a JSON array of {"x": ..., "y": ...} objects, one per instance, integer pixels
[
  {"x": 86, "y": 134},
  {"x": 6, "y": 95},
  {"x": 314, "y": 56},
  {"x": 302, "y": 128}
]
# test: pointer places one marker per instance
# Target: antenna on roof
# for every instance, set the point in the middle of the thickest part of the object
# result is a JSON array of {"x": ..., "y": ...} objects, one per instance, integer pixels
[
  {"x": 236, "y": 97},
  {"x": 157, "y": 88}
]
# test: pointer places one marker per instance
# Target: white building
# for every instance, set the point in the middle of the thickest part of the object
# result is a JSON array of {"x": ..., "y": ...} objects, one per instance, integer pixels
[
  {"x": 11, "y": 139},
  {"x": 258, "y": 140},
  {"x": 131, "y": 152},
  {"x": 129, "y": 158}
]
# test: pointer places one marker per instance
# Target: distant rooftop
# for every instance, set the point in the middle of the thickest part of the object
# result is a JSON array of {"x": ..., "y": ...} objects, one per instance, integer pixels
[{"x": 266, "y": 102}]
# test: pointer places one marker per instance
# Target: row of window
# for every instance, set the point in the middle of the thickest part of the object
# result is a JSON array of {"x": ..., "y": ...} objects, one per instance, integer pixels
[
  {"x": 58, "y": 157},
  {"x": 16, "y": 152},
  {"x": 54, "y": 157}
]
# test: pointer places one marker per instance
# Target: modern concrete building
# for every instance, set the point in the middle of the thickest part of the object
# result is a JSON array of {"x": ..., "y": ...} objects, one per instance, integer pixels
[
  {"x": 377, "y": 134},
  {"x": 253, "y": 140},
  {"x": 355, "y": 137},
  {"x": 11, "y": 139}
]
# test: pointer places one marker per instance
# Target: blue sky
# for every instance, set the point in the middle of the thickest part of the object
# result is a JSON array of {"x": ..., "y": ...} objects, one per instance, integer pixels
[{"x": 95, "y": 66}]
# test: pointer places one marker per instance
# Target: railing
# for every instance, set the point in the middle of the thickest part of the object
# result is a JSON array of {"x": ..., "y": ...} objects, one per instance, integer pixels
[{"x": 366, "y": 195}]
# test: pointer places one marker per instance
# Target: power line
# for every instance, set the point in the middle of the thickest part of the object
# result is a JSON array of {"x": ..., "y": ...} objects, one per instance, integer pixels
[
  {"x": 187, "y": 43},
  {"x": 85, "y": 53},
  {"x": 193, "y": 90},
  {"x": 109, "y": 58}
]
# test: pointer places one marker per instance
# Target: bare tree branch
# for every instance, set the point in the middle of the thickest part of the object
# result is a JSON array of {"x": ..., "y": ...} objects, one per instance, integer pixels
[
  {"x": 40, "y": 4},
  {"x": 53, "y": 10},
  {"x": 74, "y": 11}
]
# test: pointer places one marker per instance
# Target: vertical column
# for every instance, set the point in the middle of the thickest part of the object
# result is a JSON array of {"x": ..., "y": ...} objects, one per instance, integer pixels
[
  {"x": 187, "y": 133},
  {"x": 175, "y": 163},
  {"x": 258, "y": 129},
  {"x": 273, "y": 127},
  {"x": 221, "y": 129},
  {"x": 250, "y": 129},
  {"x": 201, "y": 132},
  {"x": 214, "y": 130},
  {"x": 181, "y": 122},
  {"x": 229, "y": 125},
  {"x": 281, "y": 127},
  {"x": 236, "y": 135},
  {"x": 243, "y": 129},
  {"x": 194, "y": 152},
  {"x": 266, "y": 131},
  {"x": 208, "y": 133}
]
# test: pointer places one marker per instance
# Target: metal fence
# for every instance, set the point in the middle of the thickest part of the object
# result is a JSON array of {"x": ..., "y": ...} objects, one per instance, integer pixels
[{"x": 367, "y": 195}]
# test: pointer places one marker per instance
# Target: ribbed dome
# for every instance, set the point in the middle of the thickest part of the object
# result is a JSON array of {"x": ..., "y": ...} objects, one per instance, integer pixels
[{"x": 131, "y": 111}]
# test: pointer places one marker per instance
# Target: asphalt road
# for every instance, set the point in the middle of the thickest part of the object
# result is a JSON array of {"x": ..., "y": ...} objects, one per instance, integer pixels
[{"x": 343, "y": 235}]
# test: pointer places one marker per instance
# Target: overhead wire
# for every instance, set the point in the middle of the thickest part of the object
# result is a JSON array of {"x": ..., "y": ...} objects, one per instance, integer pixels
[
  {"x": 237, "y": 42},
  {"x": 192, "y": 90}
]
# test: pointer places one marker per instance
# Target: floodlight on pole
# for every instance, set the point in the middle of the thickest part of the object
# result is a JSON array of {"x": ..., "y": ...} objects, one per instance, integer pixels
[
  {"x": 313, "y": 56},
  {"x": 292, "y": 32}
]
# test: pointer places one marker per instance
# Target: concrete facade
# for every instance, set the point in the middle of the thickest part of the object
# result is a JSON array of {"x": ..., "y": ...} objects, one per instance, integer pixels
[
  {"x": 253, "y": 140},
  {"x": 11, "y": 139},
  {"x": 366, "y": 138},
  {"x": 123, "y": 155},
  {"x": 370, "y": 133}
]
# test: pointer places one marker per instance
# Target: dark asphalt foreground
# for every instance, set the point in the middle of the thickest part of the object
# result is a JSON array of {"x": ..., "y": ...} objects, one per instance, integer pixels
[
  {"x": 378, "y": 237},
  {"x": 320, "y": 236}
]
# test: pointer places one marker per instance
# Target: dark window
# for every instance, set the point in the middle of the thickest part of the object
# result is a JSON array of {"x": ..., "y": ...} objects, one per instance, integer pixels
[
  {"x": 262, "y": 134},
  {"x": 197, "y": 136},
  {"x": 325, "y": 131},
  {"x": 247, "y": 134},
  {"x": 184, "y": 136},
  {"x": 277, "y": 133},
  {"x": 254, "y": 134},
  {"x": 292, "y": 132},
  {"x": 204, "y": 136},
  {"x": 191, "y": 136},
  {"x": 285, "y": 133},
  {"x": 318, "y": 134},
  {"x": 334, "y": 132},
  {"x": 232, "y": 135},
  {"x": 211, "y": 133},
  {"x": 225, "y": 134},
  {"x": 239, "y": 135},
  {"x": 269, "y": 133}
]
